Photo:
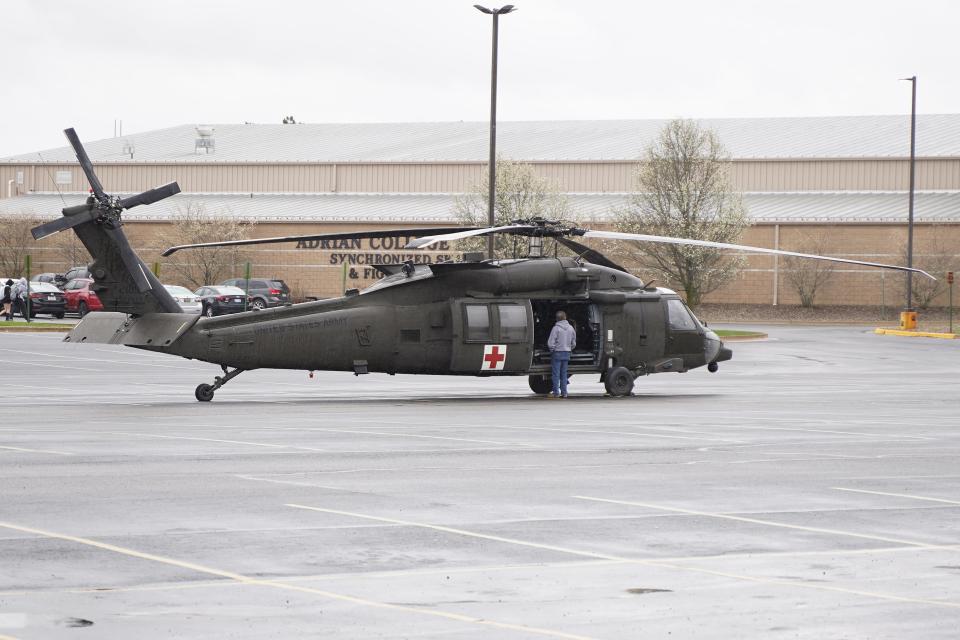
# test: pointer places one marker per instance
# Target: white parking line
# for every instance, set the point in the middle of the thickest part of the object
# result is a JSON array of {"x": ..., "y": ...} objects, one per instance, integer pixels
[
  {"x": 252, "y": 444},
  {"x": 898, "y": 495},
  {"x": 768, "y": 523},
  {"x": 648, "y": 562},
  {"x": 415, "y": 435},
  {"x": 59, "y": 453}
]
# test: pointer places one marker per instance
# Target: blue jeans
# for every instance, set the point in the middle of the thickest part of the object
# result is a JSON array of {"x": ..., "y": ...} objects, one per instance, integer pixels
[{"x": 558, "y": 364}]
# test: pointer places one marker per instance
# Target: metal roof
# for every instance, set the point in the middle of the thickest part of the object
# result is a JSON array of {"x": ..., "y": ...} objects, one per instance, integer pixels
[
  {"x": 784, "y": 207},
  {"x": 744, "y": 138}
]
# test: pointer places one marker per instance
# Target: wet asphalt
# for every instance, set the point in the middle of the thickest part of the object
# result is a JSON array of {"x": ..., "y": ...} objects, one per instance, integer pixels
[{"x": 810, "y": 489}]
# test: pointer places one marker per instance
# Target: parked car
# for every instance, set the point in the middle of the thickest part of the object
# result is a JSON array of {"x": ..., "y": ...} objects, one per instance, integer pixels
[
  {"x": 53, "y": 278},
  {"x": 76, "y": 272},
  {"x": 46, "y": 298},
  {"x": 189, "y": 302},
  {"x": 219, "y": 300},
  {"x": 80, "y": 299},
  {"x": 263, "y": 293}
]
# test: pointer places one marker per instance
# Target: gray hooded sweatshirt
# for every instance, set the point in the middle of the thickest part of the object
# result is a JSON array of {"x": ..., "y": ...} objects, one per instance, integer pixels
[{"x": 563, "y": 337}]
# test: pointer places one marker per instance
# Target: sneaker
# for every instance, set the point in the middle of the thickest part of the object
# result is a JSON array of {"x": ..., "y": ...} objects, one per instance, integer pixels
[{"x": 552, "y": 395}]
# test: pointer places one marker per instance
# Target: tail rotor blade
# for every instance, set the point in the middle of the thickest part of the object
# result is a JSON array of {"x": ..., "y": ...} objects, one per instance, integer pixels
[
  {"x": 134, "y": 266},
  {"x": 68, "y": 221},
  {"x": 151, "y": 196},
  {"x": 85, "y": 163}
]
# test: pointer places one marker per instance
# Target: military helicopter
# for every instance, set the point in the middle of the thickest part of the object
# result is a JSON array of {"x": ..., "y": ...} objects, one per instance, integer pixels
[{"x": 475, "y": 317}]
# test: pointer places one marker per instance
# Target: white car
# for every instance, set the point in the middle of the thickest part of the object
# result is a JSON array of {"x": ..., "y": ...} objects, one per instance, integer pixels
[{"x": 188, "y": 301}]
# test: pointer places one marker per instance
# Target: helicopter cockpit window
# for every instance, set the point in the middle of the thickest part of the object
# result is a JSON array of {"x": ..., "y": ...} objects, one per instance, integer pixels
[
  {"x": 513, "y": 322},
  {"x": 419, "y": 272},
  {"x": 678, "y": 316},
  {"x": 478, "y": 321}
]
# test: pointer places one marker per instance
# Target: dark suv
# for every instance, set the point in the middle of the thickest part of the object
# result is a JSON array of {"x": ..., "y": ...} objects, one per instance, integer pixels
[{"x": 263, "y": 293}]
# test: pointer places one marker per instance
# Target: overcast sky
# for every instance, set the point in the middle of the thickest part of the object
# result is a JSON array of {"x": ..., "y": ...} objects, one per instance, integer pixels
[{"x": 161, "y": 64}]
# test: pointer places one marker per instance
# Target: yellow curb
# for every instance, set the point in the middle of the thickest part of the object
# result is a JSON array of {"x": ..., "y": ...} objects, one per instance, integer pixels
[
  {"x": 40, "y": 329},
  {"x": 756, "y": 335},
  {"x": 916, "y": 334}
]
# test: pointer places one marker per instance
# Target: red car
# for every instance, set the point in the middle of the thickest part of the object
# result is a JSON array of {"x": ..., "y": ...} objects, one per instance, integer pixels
[{"x": 79, "y": 297}]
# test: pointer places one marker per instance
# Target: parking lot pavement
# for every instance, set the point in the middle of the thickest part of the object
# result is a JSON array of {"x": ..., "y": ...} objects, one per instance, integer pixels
[{"x": 808, "y": 489}]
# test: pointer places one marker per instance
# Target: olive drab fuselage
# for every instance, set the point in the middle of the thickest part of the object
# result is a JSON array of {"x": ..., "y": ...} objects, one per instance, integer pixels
[{"x": 483, "y": 318}]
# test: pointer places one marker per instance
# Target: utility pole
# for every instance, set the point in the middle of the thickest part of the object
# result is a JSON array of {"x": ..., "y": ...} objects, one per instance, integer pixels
[
  {"x": 491, "y": 198},
  {"x": 908, "y": 318}
]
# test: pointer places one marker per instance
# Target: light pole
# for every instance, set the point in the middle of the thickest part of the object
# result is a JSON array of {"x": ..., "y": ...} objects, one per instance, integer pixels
[
  {"x": 496, "y": 13},
  {"x": 913, "y": 162}
]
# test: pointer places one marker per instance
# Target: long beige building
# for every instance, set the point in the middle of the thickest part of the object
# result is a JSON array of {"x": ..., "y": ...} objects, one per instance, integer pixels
[{"x": 843, "y": 179}]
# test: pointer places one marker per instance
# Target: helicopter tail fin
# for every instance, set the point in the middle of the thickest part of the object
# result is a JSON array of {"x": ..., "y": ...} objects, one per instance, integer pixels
[{"x": 121, "y": 279}]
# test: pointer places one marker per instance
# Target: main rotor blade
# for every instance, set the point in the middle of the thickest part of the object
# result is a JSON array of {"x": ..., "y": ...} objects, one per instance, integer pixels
[
  {"x": 151, "y": 196},
  {"x": 85, "y": 163},
  {"x": 460, "y": 234},
  {"x": 349, "y": 235},
  {"x": 592, "y": 255},
  {"x": 84, "y": 213},
  {"x": 639, "y": 237},
  {"x": 130, "y": 259}
]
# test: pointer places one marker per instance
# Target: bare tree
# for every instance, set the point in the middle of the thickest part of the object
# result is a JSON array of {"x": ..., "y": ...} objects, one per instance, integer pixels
[
  {"x": 933, "y": 253},
  {"x": 208, "y": 265},
  {"x": 809, "y": 276},
  {"x": 16, "y": 242},
  {"x": 521, "y": 194},
  {"x": 683, "y": 190}
]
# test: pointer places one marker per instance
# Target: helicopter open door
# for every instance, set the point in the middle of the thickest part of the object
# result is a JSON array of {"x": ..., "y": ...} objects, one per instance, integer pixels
[
  {"x": 491, "y": 337},
  {"x": 586, "y": 319}
]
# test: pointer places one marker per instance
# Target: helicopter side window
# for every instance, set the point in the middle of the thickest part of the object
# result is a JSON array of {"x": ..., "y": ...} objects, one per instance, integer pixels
[
  {"x": 678, "y": 316},
  {"x": 513, "y": 323},
  {"x": 478, "y": 322}
]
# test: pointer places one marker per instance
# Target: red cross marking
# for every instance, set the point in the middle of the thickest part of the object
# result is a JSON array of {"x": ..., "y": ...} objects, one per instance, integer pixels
[{"x": 494, "y": 357}]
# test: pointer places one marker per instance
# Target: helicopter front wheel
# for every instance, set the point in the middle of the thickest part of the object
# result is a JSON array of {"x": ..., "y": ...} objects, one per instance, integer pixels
[
  {"x": 204, "y": 392},
  {"x": 618, "y": 381}
]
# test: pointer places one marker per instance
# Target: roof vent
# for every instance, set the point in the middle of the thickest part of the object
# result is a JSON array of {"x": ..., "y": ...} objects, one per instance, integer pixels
[
  {"x": 128, "y": 148},
  {"x": 205, "y": 139}
]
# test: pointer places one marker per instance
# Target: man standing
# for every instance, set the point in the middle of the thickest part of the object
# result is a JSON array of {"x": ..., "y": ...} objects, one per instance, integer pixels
[{"x": 562, "y": 340}]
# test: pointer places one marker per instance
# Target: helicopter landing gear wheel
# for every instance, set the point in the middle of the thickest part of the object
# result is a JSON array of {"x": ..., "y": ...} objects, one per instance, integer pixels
[
  {"x": 618, "y": 381},
  {"x": 540, "y": 384},
  {"x": 204, "y": 392}
]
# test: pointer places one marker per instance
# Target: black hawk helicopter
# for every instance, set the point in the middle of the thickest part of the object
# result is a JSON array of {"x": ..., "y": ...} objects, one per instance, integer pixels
[{"x": 476, "y": 317}]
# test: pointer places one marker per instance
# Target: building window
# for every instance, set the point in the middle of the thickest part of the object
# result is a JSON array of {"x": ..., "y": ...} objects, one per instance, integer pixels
[{"x": 64, "y": 177}]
